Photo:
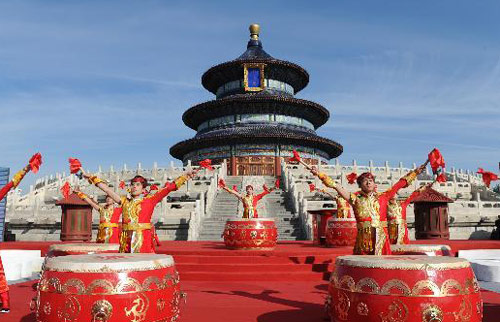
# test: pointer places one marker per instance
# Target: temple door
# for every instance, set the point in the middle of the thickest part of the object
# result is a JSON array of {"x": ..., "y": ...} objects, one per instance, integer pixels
[{"x": 255, "y": 166}]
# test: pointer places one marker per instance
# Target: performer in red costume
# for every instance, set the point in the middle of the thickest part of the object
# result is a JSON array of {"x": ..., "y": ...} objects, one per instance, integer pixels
[
  {"x": 108, "y": 231},
  {"x": 249, "y": 200},
  {"x": 370, "y": 208},
  {"x": 34, "y": 165},
  {"x": 396, "y": 217},
  {"x": 344, "y": 209},
  {"x": 137, "y": 231}
]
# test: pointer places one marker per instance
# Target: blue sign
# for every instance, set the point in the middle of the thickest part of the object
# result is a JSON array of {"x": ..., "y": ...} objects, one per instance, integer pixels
[{"x": 253, "y": 77}]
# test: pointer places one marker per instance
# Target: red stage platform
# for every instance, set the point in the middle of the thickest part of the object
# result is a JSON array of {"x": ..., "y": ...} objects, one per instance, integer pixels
[{"x": 287, "y": 284}]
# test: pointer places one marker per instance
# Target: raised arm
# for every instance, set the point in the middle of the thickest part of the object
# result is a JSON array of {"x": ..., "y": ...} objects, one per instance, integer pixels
[
  {"x": 331, "y": 195},
  {"x": 172, "y": 186},
  {"x": 263, "y": 193},
  {"x": 329, "y": 182},
  {"x": 5, "y": 189},
  {"x": 415, "y": 193},
  {"x": 343, "y": 193},
  {"x": 88, "y": 200},
  {"x": 16, "y": 179},
  {"x": 99, "y": 183},
  {"x": 404, "y": 181},
  {"x": 233, "y": 192}
]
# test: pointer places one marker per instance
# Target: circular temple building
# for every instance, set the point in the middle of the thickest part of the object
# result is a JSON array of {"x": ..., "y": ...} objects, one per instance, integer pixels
[{"x": 255, "y": 119}]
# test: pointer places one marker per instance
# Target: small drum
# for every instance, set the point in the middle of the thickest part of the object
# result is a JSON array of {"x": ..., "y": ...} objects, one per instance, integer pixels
[
  {"x": 414, "y": 249},
  {"x": 81, "y": 249},
  {"x": 341, "y": 232},
  {"x": 109, "y": 287},
  {"x": 255, "y": 233},
  {"x": 404, "y": 288}
]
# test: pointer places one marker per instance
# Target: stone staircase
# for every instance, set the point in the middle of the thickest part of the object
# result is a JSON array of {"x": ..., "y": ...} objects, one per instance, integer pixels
[{"x": 227, "y": 206}]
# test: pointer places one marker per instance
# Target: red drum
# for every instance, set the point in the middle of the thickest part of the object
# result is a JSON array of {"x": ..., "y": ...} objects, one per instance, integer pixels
[
  {"x": 414, "y": 249},
  {"x": 253, "y": 233},
  {"x": 404, "y": 288},
  {"x": 109, "y": 287},
  {"x": 81, "y": 249},
  {"x": 341, "y": 232}
]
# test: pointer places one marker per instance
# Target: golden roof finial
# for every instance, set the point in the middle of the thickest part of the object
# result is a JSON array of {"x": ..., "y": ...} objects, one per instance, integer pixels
[{"x": 254, "y": 31}]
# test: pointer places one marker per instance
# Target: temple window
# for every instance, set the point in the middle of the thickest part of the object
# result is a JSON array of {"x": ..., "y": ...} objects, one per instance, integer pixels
[{"x": 253, "y": 77}]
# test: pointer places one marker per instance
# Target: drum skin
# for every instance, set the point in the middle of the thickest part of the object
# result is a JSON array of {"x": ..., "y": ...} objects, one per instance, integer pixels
[
  {"x": 81, "y": 249},
  {"x": 341, "y": 232},
  {"x": 415, "y": 249},
  {"x": 109, "y": 287},
  {"x": 251, "y": 234},
  {"x": 403, "y": 288}
]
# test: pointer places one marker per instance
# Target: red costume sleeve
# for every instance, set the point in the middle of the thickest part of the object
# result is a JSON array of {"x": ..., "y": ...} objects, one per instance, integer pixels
[
  {"x": 16, "y": 179},
  {"x": 407, "y": 201},
  {"x": 394, "y": 189},
  {"x": 163, "y": 192},
  {"x": 402, "y": 183},
  {"x": 6, "y": 189},
  {"x": 169, "y": 186},
  {"x": 260, "y": 195}
]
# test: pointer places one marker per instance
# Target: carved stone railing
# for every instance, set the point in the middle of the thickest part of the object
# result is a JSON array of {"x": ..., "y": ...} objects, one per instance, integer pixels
[
  {"x": 205, "y": 202},
  {"x": 464, "y": 210},
  {"x": 187, "y": 204},
  {"x": 296, "y": 197}
]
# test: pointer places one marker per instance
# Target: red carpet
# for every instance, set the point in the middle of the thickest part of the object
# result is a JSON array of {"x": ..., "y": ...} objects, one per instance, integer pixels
[
  {"x": 288, "y": 284},
  {"x": 242, "y": 302}
]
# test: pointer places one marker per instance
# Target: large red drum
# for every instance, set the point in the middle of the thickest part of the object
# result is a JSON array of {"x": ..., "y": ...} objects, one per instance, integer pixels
[
  {"x": 341, "y": 232},
  {"x": 254, "y": 233},
  {"x": 404, "y": 288},
  {"x": 414, "y": 249},
  {"x": 109, "y": 287},
  {"x": 81, "y": 249}
]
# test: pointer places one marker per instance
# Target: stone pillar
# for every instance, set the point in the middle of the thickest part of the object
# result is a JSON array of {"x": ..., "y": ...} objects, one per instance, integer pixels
[
  {"x": 233, "y": 165},
  {"x": 479, "y": 204},
  {"x": 277, "y": 166},
  {"x": 155, "y": 169}
]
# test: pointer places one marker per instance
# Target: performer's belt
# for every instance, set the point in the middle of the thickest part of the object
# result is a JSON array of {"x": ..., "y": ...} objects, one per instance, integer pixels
[
  {"x": 370, "y": 224},
  {"x": 138, "y": 226},
  {"x": 397, "y": 222},
  {"x": 108, "y": 225}
]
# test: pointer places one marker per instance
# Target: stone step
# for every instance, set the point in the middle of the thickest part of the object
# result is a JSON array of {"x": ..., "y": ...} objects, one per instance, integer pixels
[{"x": 227, "y": 207}]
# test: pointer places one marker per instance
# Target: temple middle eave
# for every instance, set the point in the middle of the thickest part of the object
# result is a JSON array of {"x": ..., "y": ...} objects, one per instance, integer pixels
[
  {"x": 271, "y": 136},
  {"x": 260, "y": 103}
]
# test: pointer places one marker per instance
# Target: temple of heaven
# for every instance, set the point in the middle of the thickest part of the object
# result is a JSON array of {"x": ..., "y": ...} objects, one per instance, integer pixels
[{"x": 255, "y": 119}]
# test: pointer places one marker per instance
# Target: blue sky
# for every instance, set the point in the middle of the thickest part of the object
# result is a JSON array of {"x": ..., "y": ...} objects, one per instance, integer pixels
[{"x": 108, "y": 81}]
